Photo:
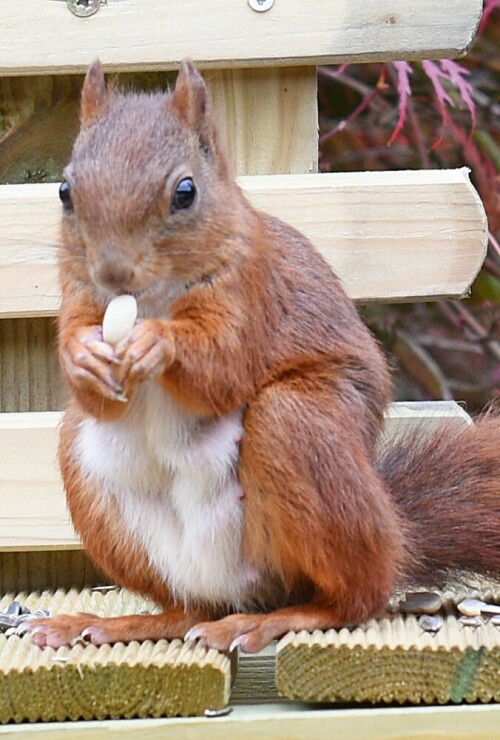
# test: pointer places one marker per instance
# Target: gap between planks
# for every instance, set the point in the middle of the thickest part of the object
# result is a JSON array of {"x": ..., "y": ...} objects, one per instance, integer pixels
[{"x": 390, "y": 236}]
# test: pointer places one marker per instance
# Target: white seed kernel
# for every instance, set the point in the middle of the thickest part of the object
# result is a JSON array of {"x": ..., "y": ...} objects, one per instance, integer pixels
[
  {"x": 119, "y": 318},
  {"x": 471, "y": 607}
]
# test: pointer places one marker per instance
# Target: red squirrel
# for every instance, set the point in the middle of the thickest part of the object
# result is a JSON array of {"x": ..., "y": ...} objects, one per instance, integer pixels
[{"x": 221, "y": 458}]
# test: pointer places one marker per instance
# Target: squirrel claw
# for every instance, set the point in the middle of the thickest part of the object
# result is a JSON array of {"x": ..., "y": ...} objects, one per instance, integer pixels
[{"x": 193, "y": 634}]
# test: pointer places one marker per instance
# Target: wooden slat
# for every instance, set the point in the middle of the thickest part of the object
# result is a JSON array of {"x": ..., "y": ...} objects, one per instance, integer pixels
[
  {"x": 278, "y": 137},
  {"x": 289, "y": 722},
  {"x": 156, "y": 34},
  {"x": 390, "y": 235},
  {"x": 33, "y": 513},
  {"x": 393, "y": 660},
  {"x": 38, "y": 570},
  {"x": 139, "y": 679}
]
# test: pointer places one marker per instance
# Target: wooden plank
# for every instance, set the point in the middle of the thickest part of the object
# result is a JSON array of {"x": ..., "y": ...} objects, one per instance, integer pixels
[
  {"x": 37, "y": 570},
  {"x": 33, "y": 513},
  {"x": 155, "y": 34},
  {"x": 391, "y": 236},
  {"x": 140, "y": 679},
  {"x": 393, "y": 660},
  {"x": 278, "y": 137},
  {"x": 289, "y": 722}
]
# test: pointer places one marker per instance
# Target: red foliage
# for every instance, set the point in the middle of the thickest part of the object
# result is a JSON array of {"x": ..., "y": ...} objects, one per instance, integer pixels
[{"x": 432, "y": 114}]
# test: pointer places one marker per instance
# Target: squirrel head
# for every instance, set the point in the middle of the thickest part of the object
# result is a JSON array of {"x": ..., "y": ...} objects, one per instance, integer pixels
[{"x": 149, "y": 202}]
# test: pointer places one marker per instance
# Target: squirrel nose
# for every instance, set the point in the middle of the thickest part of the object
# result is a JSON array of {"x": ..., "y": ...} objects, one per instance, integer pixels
[{"x": 114, "y": 275}]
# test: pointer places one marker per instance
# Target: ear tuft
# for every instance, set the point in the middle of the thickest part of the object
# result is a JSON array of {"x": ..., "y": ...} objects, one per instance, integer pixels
[
  {"x": 94, "y": 93},
  {"x": 192, "y": 101}
]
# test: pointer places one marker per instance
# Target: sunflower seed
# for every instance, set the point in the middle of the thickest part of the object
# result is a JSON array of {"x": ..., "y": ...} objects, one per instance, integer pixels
[
  {"x": 490, "y": 609},
  {"x": 430, "y": 622},
  {"x": 471, "y": 621},
  {"x": 421, "y": 602},
  {"x": 471, "y": 607}
]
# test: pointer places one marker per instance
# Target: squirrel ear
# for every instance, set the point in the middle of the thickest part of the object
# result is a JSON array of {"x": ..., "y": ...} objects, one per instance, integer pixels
[
  {"x": 94, "y": 93},
  {"x": 192, "y": 101}
]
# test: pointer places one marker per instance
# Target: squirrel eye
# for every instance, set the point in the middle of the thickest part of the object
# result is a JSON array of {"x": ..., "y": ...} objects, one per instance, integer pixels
[
  {"x": 65, "y": 195},
  {"x": 184, "y": 195}
]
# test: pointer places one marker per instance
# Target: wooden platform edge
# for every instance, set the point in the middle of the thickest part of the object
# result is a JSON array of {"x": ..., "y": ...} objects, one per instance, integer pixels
[
  {"x": 289, "y": 722},
  {"x": 392, "y": 236}
]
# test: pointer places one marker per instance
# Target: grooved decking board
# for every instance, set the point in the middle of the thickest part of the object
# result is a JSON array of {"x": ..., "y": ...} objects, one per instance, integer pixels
[
  {"x": 394, "y": 660},
  {"x": 156, "y": 34},
  {"x": 33, "y": 514},
  {"x": 391, "y": 236},
  {"x": 86, "y": 682}
]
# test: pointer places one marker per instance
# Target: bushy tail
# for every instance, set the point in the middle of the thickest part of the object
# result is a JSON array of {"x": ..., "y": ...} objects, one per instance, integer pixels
[{"x": 446, "y": 485}]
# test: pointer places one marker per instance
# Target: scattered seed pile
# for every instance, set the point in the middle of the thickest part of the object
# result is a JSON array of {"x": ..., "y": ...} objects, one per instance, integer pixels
[
  {"x": 86, "y": 682},
  {"x": 434, "y": 648}
]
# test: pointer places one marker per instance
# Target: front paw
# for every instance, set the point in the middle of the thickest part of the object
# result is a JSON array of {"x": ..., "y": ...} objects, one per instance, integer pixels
[
  {"x": 90, "y": 363},
  {"x": 62, "y": 630},
  {"x": 226, "y": 634},
  {"x": 145, "y": 353}
]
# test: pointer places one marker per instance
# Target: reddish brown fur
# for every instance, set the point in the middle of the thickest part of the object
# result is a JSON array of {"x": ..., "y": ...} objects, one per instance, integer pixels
[
  {"x": 448, "y": 486},
  {"x": 266, "y": 325}
]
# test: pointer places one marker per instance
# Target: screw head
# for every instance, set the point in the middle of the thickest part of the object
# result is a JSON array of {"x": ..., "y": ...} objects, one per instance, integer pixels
[
  {"x": 261, "y": 5},
  {"x": 84, "y": 8}
]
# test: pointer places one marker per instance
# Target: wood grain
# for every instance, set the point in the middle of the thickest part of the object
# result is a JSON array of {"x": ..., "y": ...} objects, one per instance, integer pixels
[
  {"x": 30, "y": 379},
  {"x": 33, "y": 513},
  {"x": 391, "y": 236},
  {"x": 156, "y": 34},
  {"x": 278, "y": 137},
  {"x": 38, "y": 570},
  {"x": 392, "y": 660},
  {"x": 147, "y": 679}
]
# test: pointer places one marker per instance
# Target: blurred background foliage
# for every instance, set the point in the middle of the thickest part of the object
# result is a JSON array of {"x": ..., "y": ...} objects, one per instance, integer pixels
[{"x": 429, "y": 115}]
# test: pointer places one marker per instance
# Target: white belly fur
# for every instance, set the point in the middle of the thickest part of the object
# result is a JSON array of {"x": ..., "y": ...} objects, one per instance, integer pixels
[{"x": 173, "y": 477}]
